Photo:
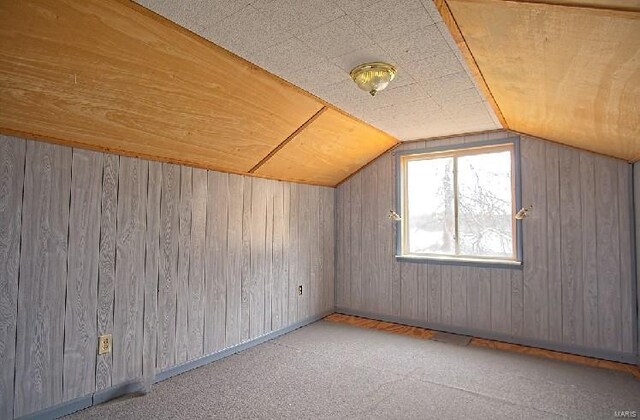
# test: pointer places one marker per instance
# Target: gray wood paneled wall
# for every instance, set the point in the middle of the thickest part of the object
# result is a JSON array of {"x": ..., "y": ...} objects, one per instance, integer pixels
[
  {"x": 175, "y": 262},
  {"x": 636, "y": 195},
  {"x": 575, "y": 289}
]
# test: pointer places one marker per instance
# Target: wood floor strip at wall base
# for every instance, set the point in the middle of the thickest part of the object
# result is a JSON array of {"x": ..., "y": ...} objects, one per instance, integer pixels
[{"x": 425, "y": 333}]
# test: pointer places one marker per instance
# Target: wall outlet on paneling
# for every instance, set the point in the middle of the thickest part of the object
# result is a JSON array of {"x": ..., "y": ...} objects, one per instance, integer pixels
[
  {"x": 104, "y": 344},
  {"x": 300, "y": 290}
]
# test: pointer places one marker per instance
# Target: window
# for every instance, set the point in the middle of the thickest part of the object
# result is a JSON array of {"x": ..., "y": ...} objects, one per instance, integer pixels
[{"x": 460, "y": 204}]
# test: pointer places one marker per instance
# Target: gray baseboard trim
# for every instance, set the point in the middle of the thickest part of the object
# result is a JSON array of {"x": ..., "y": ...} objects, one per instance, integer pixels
[
  {"x": 138, "y": 386},
  {"x": 129, "y": 387},
  {"x": 62, "y": 409},
  {"x": 196, "y": 363},
  {"x": 563, "y": 348}
]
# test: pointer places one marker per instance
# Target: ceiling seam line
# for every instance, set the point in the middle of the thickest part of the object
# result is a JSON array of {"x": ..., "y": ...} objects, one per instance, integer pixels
[
  {"x": 287, "y": 140},
  {"x": 443, "y": 7}
]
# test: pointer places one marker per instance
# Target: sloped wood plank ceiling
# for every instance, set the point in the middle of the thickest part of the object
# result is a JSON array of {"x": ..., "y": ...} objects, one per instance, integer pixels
[
  {"x": 564, "y": 70},
  {"x": 113, "y": 76}
]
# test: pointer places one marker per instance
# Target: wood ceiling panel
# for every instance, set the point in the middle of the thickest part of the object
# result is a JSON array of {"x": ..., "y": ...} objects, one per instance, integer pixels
[
  {"x": 112, "y": 76},
  {"x": 328, "y": 150},
  {"x": 568, "y": 74}
]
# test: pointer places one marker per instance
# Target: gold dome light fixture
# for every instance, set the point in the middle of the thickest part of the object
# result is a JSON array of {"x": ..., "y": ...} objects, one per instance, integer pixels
[{"x": 373, "y": 77}]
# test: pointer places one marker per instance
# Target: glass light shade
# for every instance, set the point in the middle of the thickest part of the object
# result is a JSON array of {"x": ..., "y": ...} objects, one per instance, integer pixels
[{"x": 373, "y": 77}]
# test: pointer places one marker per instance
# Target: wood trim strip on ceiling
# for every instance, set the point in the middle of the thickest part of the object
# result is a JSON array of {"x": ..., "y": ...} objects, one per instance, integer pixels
[
  {"x": 288, "y": 139},
  {"x": 581, "y": 5},
  {"x": 454, "y": 29}
]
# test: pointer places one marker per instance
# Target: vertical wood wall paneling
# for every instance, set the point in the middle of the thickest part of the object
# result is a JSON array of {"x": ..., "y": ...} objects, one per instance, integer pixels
[
  {"x": 288, "y": 292},
  {"x": 304, "y": 267},
  {"x": 636, "y": 205},
  {"x": 144, "y": 251},
  {"x": 557, "y": 192},
  {"x": 130, "y": 262},
  {"x": 278, "y": 287},
  {"x": 328, "y": 247},
  {"x": 571, "y": 288},
  {"x": 356, "y": 296},
  {"x": 258, "y": 263},
  {"x": 293, "y": 254},
  {"x": 501, "y": 300},
  {"x": 458, "y": 296},
  {"x": 184, "y": 254},
  {"x": 168, "y": 268},
  {"x": 80, "y": 340},
  {"x": 43, "y": 274},
  {"x": 216, "y": 263},
  {"x": 152, "y": 262},
  {"x": 234, "y": 260},
  {"x": 246, "y": 259},
  {"x": 343, "y": 280},
  {"x": 369, "y": 265},
  {"x": 517, "y": 303},
  {"x": 571, "y": 245},
  {"x": 268, "y": 257},
  {"x": 315, "y": 253},
  {"x": 589, "y": 252},
  {"x": 107, "y": 265},
  {"x": 608, "y": 254},
  {"x": 12, "y": 157},
  {"x": 196, "y": 288},
  {"x": 626, "y": 276},
  {"x": 535, "y": 262}
]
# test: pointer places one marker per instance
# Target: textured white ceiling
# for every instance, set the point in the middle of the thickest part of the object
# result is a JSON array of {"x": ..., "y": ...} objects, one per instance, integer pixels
[{"x": 315, "y": 43}]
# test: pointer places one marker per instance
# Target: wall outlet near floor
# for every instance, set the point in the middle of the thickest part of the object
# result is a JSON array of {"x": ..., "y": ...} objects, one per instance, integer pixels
[
  {"x": 300, "y": 290},
  {"x": 104, "y": 344}
]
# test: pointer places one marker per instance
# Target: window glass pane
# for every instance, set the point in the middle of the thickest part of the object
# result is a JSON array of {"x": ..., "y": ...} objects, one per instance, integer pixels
[
  {"x": 485, "y": 219},
  {"x": 430, "y": 202}
]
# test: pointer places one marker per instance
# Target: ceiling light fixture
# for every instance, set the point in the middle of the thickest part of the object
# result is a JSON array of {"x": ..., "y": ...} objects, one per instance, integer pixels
[{"x": 373, "y": 77}]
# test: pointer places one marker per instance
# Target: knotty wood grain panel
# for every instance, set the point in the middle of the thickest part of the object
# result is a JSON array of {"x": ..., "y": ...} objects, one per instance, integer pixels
[
  {"x": 80, "y": 340},
  {"x": 216, "y": 261},
  {"x": 184, "y": 247},
  {"x": 196, "y": 289},
  {"x": 107, "y": 264},
  {"x": 258, "y": 256},
  {"x": 234, "y": 258},
  {"x": 168, "y": 268},
  {"x": 588, "y": 54},
  {"x": 152, "y": 262},
  {"x": 128, "y": 318},
  {"x": 43, "y": 274},
  {"x": 330, "y": 149},
  {"x": 12, "y": 157},
  {"x": 162, "y": 93}
]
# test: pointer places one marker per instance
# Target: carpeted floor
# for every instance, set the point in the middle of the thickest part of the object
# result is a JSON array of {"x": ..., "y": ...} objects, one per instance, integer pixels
[{"x": 330, "y": 370}]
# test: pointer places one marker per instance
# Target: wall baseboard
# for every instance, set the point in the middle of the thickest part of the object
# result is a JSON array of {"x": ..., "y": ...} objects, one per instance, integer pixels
[
  {"x": 138, "y": 386},
  {"x": 530, "y": 342},
  {"x": 193, "y": 364}
]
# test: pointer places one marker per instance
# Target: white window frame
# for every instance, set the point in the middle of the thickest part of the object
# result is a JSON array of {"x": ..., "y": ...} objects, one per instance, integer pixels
[{"x": 402, "y": 236}]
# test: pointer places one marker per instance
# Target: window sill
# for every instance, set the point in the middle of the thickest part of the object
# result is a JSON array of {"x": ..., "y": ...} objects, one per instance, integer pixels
[{"x": 472, "y": 262}]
